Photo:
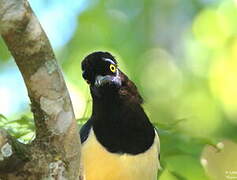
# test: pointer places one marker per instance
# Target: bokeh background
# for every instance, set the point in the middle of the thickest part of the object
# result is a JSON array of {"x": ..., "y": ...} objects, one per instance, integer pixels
[{"x": 182, "y": 55}]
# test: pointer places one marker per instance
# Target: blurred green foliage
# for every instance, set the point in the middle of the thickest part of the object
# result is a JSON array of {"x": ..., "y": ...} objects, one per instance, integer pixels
[
  {"x": 4, "y": 55},
  {"x": 22, "y": 128},
  {"x": 182, "y": 55}
]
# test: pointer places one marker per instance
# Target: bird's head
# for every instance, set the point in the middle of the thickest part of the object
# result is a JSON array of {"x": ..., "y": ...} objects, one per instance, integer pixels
[
  {"x": 101, "y": 69},
  {"x": 101, "y": 72}
]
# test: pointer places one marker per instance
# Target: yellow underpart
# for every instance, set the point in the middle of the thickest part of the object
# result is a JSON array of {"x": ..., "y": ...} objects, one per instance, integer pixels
[{"x": 99, "y": 164}]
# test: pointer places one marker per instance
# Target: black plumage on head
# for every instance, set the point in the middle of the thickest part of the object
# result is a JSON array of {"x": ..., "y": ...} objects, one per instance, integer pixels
[{"x": 94, "y": 65}]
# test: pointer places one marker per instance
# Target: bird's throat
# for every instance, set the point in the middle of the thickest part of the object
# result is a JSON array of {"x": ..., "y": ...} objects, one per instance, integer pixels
[{"x": 121, "y": 127}]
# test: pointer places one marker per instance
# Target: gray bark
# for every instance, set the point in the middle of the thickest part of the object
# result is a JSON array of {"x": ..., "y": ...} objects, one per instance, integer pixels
[{"x": 55, "y": 152}]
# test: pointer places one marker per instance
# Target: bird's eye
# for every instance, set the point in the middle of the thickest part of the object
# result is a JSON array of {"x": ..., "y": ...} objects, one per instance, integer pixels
[{"x": 112, "y": 68}]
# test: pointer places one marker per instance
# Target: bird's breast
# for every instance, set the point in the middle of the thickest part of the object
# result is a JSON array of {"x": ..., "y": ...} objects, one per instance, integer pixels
[{"x": 100, "y": 164}]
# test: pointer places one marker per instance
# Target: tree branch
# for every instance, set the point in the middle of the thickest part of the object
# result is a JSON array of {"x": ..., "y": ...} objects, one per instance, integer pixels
[{"x": 56, "y": 128}]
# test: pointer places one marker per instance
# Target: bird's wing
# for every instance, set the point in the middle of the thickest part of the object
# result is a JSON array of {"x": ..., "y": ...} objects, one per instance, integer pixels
[{"x": 84, "y": 131}]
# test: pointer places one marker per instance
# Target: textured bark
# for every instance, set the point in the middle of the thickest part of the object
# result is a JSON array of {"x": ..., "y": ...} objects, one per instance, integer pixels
[
  {"x": 55, "y": 153},
  {"x": 13, "y": 154}
]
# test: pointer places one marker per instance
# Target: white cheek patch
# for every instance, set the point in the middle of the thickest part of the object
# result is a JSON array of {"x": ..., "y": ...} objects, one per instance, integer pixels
[{"x": 109, "y": 60}]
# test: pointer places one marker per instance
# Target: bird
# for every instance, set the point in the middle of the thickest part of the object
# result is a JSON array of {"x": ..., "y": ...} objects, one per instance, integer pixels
[{"x": 118, "y": 141}]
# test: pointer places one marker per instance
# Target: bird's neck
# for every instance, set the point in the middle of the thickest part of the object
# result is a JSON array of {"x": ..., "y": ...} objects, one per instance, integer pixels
[
  {"x": 121, "y": 126},
  {"x": 110, "y": 105},
  {"x": 118, "y": 106}
]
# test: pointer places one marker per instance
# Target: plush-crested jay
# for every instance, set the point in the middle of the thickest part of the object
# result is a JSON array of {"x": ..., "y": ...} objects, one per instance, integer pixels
[{"x": 118, "y": 141}]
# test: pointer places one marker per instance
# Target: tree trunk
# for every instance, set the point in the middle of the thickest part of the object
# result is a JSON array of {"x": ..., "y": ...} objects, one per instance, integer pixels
[{"x": 55, "y": 152}]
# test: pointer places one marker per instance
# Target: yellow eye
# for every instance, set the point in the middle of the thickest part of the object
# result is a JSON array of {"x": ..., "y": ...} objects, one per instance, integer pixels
[{"x": 112, "y": 68}]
